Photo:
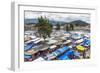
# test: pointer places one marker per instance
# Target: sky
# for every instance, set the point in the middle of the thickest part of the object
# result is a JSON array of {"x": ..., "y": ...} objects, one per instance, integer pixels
[{"x": 66, "y": 17}]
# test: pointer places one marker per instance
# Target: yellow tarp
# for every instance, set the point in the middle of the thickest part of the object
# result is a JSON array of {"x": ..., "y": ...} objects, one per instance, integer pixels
[{"x": 80, "y": 48}]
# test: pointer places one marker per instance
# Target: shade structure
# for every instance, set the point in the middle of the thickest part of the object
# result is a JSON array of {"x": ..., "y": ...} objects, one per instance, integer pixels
[
  {"x": 53, "y": 46},
  {"x": 52, "y": 42},
  {"x": 77, "y": 54},
  {"x": 57, "y": 52},
  {"x": 39, "y": 59},
  {"x": 27, "y": 56},
  {"x": 29, "y": 46},
  {"x": 86, "y": 42},
  {"x": 37, "y": 41},
  {"x": 31, "y": 51},
  {"x": 79, "y": 41},
  {"x": 26, "y": 38},
  {"x": 44, "y": 47},
  {"x": 29, "y": 41},
  {"x": 63, "y": 49},
  {"x": 33, "y": 37},
  {"x": 65, "y": 55},
  {"x": 76, "y": 36},
  {"x": 36, "y": 46},
  {"x": 40, "y": 47},
  {"x": 47, "y": 39},
  {"x": 63, "y": 38},
  {"x": 81, "y": 48},
  {"x": 33, "y": 40},
  {"x": 51, "y": 56},
  {"x": 87, "y": 35},
  {"x": 70, "y": 52},
  {"x": 67, "y": 34},
  {"x": 67, "y": 42}
]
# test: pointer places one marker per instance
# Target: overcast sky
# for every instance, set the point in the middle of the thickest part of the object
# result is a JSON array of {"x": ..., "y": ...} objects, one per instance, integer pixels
[{"x": 67, "y": 17}]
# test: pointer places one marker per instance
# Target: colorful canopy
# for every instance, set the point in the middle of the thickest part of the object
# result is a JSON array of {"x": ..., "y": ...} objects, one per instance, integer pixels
[
  {"x": 57, "y": 52},
  {"x": 29, "y": 46},
  {"x": 63, "y": 49},
  {"x": 80, "y": 48},
  {"x": 27, "y": 56},
  {"x": 65, "y": 55},
  {"x": 86, "y": 42}
]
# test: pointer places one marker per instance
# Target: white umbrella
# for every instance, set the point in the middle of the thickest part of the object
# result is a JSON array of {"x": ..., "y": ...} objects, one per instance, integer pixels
[
  {"x": 39, "y": 59},
  {"x": 53, "y": 46},
  {"x": 68, "y": 41},
  {"x": 52, "y": 42},
  {"x": 79, "y": 41}
]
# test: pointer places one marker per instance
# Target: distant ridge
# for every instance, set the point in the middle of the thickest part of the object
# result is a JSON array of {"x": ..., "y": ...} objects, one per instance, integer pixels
[
  {"x": 54, "y": 22},
  {"x": 79, "y": 23}
]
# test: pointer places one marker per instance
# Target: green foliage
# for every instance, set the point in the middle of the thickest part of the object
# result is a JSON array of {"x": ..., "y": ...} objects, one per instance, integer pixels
[
  {"x": 69, "y": 27},
  {"x": 58, "y": 26},
  {"x": 44, "y": 27}
]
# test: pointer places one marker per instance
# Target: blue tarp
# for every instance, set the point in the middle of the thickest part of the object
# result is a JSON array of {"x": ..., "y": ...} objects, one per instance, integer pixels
[
  {"x": 77, "y": 54},
  {"x": 63, "y": 49},
  {"x": 70, "y": 52},
  {"x": 65, "y": 55},
  {"x": 29, "y": 46},
  {"x": 27, "y": 56},
  {"x": 30, "y": 43},
  {"x": 60, "y": 51},
  {"x": 86, "y": 42},
  {"x": 56, "y": 53}
]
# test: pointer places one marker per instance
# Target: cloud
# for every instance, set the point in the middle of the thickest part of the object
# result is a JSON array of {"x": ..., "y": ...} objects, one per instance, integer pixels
[{"x": 58, "y": 16}]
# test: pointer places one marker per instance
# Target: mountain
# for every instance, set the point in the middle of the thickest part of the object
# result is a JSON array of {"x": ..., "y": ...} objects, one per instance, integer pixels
[
  {"x": 54, "y": 22},
  {"x": 79, "y": 23},
  {"x": 34, "y": 21}
]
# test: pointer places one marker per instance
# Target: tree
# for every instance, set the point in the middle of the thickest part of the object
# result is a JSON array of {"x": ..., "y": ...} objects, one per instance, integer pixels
[
  {"x": 44, "y": 27},
  {"x": 71, "y": 27},
  {"x": 58, "y": 26},
  {"x": 66, "y": 27}
]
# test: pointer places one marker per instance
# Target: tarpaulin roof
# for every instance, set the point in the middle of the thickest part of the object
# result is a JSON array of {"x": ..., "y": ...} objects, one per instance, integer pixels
[
  {"x": 80, "y": 48},
  {"x": 27, "y": 56},
  {"x": 65, "y": 55},
  {"x": 29, "y": 46},
  {"x": 63, "y": 49}
]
